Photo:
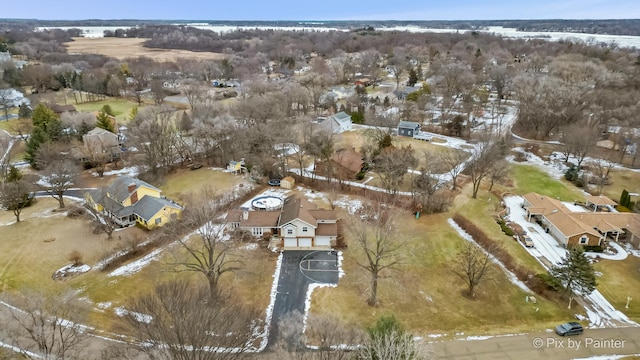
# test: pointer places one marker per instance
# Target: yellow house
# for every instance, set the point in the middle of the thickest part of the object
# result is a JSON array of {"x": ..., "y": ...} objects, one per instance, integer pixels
[
  {"x": 128, "y": 201},
  {"x": 235, "y": 166}
]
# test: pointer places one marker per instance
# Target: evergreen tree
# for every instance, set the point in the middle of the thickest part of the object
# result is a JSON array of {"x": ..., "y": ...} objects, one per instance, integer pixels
[
  {"x": 386, "y": 102},
  {"x": 625, "y": 198},
  {"x": 25, "y": 111},
  {"x": 107, "y": 109},
  {"x": 37, "y": 138},
  {"x": 413, "y": 77},
  {"x": 103, "y": 121},
  {"x": 133, "y": 113},
  {"x": 42, "y": 116},
  {"x": 575, "y": 272},
  {"x": 14, "y": 174}
]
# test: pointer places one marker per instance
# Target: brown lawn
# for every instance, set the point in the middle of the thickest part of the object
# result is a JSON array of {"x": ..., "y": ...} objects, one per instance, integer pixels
[{"x": 121, "y": 48}]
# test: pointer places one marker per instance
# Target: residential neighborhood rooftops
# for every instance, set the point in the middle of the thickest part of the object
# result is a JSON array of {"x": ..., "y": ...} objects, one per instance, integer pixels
[
  {"x": 123, "y": 186},
  {"x": 599, "y": 200},
  {"x": 148, "y": 206}
]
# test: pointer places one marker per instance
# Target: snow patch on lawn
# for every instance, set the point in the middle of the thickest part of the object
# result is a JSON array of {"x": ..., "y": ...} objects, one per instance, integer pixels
[
  {"x": 131, "y": 171},
  {"x": 142, "y": 318},
  {"x": 70, "y": 268},
  {"x": 135, "y": 266},
  {"x": 512, "y": 277},
  {"x": 251, "y": 246},
  {"x": 269, "y": 311},
  {"x": 352, "y": 206}
]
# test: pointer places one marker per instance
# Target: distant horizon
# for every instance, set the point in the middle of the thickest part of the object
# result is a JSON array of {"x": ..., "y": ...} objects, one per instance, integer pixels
[
  {"x": 337, "y": 10},
  {"x": 315, "y": 20}
]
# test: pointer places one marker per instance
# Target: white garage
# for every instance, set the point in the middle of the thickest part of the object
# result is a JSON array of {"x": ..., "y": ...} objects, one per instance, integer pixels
[
  {"x": 304, "y": 242},
  {"x": 290, "y": 242}
]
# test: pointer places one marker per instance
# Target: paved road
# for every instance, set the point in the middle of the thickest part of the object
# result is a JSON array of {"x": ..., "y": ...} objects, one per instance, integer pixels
[
  {"x": 544, "y": 345},
  {"x": 317, "y": 267}
]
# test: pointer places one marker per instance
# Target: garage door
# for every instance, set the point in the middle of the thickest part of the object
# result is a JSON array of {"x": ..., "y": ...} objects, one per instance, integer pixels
[
  {"x": 290, "y": 242},
  {"x": 323, "y": 241},
  {"x": 304, "y": 242}
]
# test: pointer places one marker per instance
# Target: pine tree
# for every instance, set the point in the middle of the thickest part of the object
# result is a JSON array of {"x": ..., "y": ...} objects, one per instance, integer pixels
[
  {"x": 38, "y": 137},
  {"x": 42, "y": 116},
  {"x": 625, "y": 198},
  {"x": 386, "y": 102},
  {"x": 575, "y": 272},
  {"x": 103, "y": 121},
  {"x": 25, "y": 111},
  {"x": 14, "y": 174},
  {"x": 107, "y": 109},
  {"x": 413, "y": 77},
  {"x": 133, "y": 113}
]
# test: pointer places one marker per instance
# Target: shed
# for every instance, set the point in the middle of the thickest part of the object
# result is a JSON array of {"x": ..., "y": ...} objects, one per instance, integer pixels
[
  {"x": 288, "y": 182},
  {"x": 408, "y": 128}
]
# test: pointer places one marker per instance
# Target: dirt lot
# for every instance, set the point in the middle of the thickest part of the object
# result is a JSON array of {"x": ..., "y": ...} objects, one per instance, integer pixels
[{"x": 121, "y": 48}]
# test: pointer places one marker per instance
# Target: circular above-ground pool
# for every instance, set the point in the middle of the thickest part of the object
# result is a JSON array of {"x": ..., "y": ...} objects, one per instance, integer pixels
[{"x": 266, "y": 203}]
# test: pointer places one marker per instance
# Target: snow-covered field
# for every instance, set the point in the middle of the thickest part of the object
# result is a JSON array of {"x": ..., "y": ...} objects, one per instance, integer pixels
[{"x": 599, "y": 311}]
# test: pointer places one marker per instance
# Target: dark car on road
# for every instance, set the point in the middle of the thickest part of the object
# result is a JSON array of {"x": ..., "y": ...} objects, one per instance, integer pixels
[{"x": 569, "y": 328}]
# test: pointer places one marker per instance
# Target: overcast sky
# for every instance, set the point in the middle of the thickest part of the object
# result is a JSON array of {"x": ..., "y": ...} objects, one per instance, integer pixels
[{"x": 321, "y": 10}]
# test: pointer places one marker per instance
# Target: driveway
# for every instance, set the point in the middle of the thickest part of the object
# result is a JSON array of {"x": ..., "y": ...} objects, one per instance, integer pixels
[{"x": 298, "y": 270}]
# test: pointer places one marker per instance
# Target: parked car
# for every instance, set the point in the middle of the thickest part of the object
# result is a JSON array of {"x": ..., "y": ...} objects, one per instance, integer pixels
[
  {"x": 274, "y": 182},
  {"x": 569, "y": 328},
  {"x": 527, "y": 241}
]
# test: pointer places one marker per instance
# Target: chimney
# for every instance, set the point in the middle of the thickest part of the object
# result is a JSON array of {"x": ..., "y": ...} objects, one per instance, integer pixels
[
  {"x": 245, "y": 215},
  {"x": 131, "y": 187}
]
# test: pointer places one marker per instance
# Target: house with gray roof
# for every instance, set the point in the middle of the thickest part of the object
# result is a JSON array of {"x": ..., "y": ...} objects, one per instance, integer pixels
[
  {"x": 129, "y": 201},
  {"x": 298, "y": 225},
  {"x": 336, "y": 123}
]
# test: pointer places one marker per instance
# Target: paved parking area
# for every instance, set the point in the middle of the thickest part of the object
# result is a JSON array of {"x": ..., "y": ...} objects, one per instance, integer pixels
[{"x": 299, "y": 269}]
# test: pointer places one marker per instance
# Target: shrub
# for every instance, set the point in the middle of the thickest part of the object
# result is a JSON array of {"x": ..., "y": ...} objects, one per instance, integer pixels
[
  {"x": 593, "y": 248},
  {"x": 360, "y": 175},
  {"x": 74, "y": 211},
  {"x": 75, "y": 257},
  {"x": 505, "y": 229}
]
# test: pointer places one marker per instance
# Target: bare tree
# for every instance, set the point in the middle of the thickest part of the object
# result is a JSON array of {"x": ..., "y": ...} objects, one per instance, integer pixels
[
  {"x": 15, "y": 196},
  {"x": 326, "y": 334},
  {"x": 579, "y": 139},
  {"x": 207, "y": 251},
  {"x": 472, "y": 265},
  {"x": 453, "y": 161},
  {"x": 378, "y": 241},
  {"x": 154, "y": 134},
  {"x": 499, "y": 172},
  {"x": 178, "y": 321},
  {"x": 388, "y": 340},
  {"x": 392, "y": 164},
  {"x": 483, "y": 159},
  {"x": 49, "y": 326},
  {"x": 59, "y": 177},
  {"x": 600, "y": 168}
]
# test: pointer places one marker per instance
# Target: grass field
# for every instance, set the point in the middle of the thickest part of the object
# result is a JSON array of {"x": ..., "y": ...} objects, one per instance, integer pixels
[
  {"x": 621, "y": 279},
  {"x": 621, "y": 180},
  {"x": 121, "y": 107},
  {"x": 122, "y": 48},
  {"x": 531, "y": 179},
  {"x": 184, "y": 182},
  {"x": 425, "y": 294}
]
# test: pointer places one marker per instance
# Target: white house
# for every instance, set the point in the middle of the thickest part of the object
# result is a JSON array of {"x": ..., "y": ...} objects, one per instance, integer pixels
[{"x": 336, "y": 123}]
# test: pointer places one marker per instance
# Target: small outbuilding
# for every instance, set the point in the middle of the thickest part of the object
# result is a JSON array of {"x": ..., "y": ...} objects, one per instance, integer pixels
[
  {"x": 288, "y": 182},
  {"x": 408, "y": 128}
]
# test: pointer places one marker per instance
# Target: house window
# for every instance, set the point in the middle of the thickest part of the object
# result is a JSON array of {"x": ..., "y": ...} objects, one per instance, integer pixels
[
  {"x": 304, "y": 229},
  {"x": 289, "y": 231},
  {"x": 256, "y": 231},
  {"x": 584, "y": 240}
]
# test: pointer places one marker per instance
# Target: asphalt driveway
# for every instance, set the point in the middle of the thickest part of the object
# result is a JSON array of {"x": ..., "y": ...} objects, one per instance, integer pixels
[{"x": 298, "y": 270}]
